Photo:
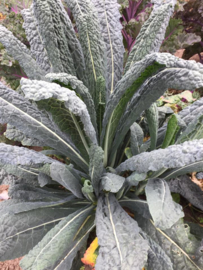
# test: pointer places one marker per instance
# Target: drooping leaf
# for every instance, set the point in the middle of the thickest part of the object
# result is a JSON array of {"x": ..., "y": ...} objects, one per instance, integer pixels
[
  {"x": 170, "y": 77},
  {"x": 193, "y": 131},
  {"x": 177, "y": 242},
  {"x": 60, "y": 245},
  {"x": 174, "y": 156},
  {"x": 73, "y": 83},
  {"x": 19, "y": 112},
  {"x": 112, "y": 182},
  {"x": 157, "y": 257},
  {"x": 8, "y": 179},
  {"x": 109, "y": 18},
  {"x": 14, "y": 134},
  {"x": 152, "y": 32},
  {"x": 36, "y": 91},
  {"x": 21, "y": 53},
  {"x": 96, "y": 166},
  {"x": 135, "y": 204},
  {"x": 189, "y": 113},
  {"x": 27, "y": 192},
  {"x": 188, "y": 189},
  {"x": 33, "y": 36},
  {"x": 15, "y": 229},
  {"x": 15, "y": 155},
  {"x": 116, "y": 248},
  {"x": 62, "y": 174},
  {"x": 165, "y": 212},
  {"x": 152, "y": 120},
  {"x": 196, "y": 166}
]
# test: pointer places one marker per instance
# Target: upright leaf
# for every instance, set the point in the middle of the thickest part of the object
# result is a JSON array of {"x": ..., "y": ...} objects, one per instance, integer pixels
[
  {"x": 88, "y": 28},
  {"x": 21, "y": 53},
  {"x": 116, "y": 248},
  {"x": 153, "y": 121},
  {"x": 48, "y": 13},
  {"x": 124, "y": 91},
  {"x": 165, "y": 212},
  {"x": 109, "y": 18},
  {"x": 96, "y": 166},
  {"x": 172, "y": 129},
  {"x": 136, "y": 138},
  {"x": 152, "y": 33},
  {"x": 33, "y": 36}
]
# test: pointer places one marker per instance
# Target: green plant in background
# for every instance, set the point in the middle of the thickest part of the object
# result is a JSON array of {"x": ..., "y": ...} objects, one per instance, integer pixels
[
  {"x": 10, "y": 70},
  {"x": 80, "y": 102}
]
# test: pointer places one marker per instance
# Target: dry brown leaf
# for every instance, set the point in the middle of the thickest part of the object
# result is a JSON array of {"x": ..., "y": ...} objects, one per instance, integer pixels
[{"x": 197, "y": 181}]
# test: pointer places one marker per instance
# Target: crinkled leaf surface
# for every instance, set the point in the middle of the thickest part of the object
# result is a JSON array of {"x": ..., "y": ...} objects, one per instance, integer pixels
[
  {"x": 21, "y": 53},
  {"x": 90, "y": 39},
  {"x": 19, "y": 112},
  {"x": 173, "y": 156},
  {"x": 96, "y": 166},
  {"x": 51, "y": 28},
  {"x": 188, "y": 189},
  {"x": 109, "y": 18},
  {"x": 39, "y": 90},
  {"x": 33, "y": 36},
  {"x": 136, "y": 138},
  {"x": 16, "y": 155},
  {"x": 177, "y": 242},
  {"x": 118, "y": 250},
  {"x": 13, "y": 133},
  {"x": 165, "y": 212},
  {"x": 152, "y": 33},
  {"x": 152, "y": 120},
  {"x": 58, "y": 247},
  {"x": 21, "y": 232},
  {"x": 171, "y": 77},
  {"x": 112, "y": 182},
  {"x": 73, "y": 83},
  {"x": 157, "y": 257}
]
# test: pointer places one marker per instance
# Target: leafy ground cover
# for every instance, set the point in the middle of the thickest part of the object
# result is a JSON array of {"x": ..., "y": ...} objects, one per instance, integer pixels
[{"x": 124, "y": 168}]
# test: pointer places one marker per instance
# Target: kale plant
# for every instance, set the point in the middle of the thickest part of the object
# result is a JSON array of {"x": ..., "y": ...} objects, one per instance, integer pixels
[{"x": 81, "y": 104}]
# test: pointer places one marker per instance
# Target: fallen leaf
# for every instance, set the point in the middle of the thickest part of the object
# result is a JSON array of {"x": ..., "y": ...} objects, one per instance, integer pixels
[
  {"x": 4, "y": 192},
  {"x": 196, "y": 181},
  {"x": 90, "y": 255}
]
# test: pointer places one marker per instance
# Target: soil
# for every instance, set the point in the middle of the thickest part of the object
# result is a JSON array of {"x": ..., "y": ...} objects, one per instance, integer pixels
[{"x": 11, "y": 265}]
